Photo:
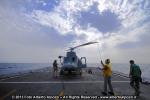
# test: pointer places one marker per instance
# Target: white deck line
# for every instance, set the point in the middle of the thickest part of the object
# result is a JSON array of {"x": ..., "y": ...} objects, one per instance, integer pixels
[{"x": 52, "y": 82}]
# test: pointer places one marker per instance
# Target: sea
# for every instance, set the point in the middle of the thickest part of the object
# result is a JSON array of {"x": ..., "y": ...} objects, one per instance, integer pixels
[{"x": 10, "y": 69}]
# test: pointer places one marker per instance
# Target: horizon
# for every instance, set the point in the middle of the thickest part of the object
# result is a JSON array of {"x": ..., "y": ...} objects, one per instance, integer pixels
[{"x": 59, "y": 63}]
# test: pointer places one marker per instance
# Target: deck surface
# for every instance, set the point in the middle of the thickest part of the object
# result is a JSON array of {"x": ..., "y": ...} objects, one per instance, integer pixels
[{"x": 41, "y": 85}]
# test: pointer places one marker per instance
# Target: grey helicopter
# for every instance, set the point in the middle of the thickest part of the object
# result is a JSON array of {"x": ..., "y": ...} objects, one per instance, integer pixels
[{"x": 71, "y": 63}]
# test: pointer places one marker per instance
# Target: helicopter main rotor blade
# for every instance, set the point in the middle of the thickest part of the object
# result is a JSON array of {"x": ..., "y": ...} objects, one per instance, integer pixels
[{"x": 84, "y": 44}]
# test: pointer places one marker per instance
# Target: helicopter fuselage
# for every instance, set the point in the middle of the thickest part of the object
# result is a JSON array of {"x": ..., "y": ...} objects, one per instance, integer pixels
[{"x": 72, "y": 64}]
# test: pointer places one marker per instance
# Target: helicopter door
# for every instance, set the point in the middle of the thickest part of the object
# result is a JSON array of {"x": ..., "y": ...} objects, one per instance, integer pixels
[{"x": 83, "y": 62}]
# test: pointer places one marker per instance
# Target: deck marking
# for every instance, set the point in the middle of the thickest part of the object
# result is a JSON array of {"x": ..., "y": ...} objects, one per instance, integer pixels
[
  {"x": 47, "y": 82},
  {"x": 8, "y": 94},
  {"x": 116, "y": 94},
  {"x": 60, "y": 94}
]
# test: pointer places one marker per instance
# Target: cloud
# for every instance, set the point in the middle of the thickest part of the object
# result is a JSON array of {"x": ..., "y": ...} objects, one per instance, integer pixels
[
  {"x": 120, "y": 26},
  {"x": 23, "y": 40},
  {"x": 53, "y": 20},
  {"x": 106, "y": 16}
]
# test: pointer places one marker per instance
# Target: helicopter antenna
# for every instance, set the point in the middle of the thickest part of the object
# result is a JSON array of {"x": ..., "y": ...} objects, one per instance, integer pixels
[
  {"x": 99, "y": 50},
  {"x": 100, "y": 47}
]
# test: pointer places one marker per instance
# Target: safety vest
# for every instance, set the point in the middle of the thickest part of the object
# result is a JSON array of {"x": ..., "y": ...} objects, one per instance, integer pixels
[
  {"x": 135, "y": 70},
  {"x": 107, "y": 70}
]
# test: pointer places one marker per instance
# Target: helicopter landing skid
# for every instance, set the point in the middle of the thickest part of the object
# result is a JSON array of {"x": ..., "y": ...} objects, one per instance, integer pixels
[{"x": 71, "y": 72}]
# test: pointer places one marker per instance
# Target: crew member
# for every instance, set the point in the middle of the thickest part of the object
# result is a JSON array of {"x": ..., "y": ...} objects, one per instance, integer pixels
[
  {"x": 107, "y": 73},
  {"x": 135, "y": 77},
  {"x": 55, "y": 68}
]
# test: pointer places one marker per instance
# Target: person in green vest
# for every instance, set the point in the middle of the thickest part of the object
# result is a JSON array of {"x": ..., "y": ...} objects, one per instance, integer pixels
[{"x": 135, "y": 77}]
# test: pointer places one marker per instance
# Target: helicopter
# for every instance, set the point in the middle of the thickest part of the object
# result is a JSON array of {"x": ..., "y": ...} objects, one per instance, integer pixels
[{"x": 71, "y": 63}]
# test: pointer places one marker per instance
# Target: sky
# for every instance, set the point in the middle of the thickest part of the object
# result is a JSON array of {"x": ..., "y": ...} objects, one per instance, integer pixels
[{"x": 41, "y": 30}]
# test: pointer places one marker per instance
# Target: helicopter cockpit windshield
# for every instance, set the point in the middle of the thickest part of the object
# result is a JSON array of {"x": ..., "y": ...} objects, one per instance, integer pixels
[{"x": 71, "y": 58}]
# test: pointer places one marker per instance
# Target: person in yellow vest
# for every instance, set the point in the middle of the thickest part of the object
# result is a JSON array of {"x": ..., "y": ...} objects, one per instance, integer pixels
[{"x": 107, "y": 73}]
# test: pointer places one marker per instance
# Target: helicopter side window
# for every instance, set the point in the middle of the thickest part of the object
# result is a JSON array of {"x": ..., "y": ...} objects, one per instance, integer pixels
[
  {"x": 73, "y": 59},
  {"x": 65, "y": 60}
]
